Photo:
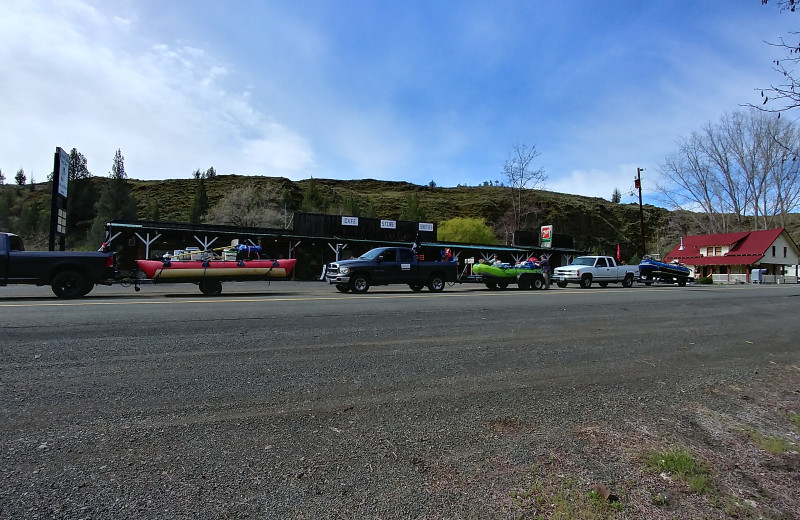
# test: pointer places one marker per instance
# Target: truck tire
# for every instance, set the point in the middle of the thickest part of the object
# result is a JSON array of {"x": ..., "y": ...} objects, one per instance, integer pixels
[
  {"x": 416, "y": 287},
  {"x": 436, "y": 283},
  {"x": 524, "y": 283},
  {"x": 586, "y": 281},
  {"x": 70, "y": 284},
  {"x": 359, "y": 283},
  {"x": 502, "y": 285},
  {"x": 342, "y": 287},
  {"x": 563, "y": 285},
  {"x": 492, "y": 286},
  {"x": 681, "y": 282},
  {"x": 627, "y": 282},
  {"x": 602, "y": 284},
  {"x": 538, "y": 283},
  {"x": 211, "y": 287}
]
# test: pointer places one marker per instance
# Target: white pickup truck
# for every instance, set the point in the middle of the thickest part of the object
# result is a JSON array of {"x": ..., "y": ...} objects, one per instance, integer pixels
[{"x": 586, "y": 270}]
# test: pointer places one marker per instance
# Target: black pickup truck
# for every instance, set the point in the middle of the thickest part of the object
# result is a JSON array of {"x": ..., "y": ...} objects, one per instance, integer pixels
[
  {"x": 71, "y": 274},
  {"x": 390, "y": 265}
]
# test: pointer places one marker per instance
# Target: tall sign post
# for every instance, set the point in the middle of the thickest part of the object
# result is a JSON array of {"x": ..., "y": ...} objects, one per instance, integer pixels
[
  {"x": 638, "y": 184},
  {"x": 58, "y": 202}
]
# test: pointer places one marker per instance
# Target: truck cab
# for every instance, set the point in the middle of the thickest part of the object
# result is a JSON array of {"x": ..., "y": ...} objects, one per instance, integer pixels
[{"x": 585, "y": 270}]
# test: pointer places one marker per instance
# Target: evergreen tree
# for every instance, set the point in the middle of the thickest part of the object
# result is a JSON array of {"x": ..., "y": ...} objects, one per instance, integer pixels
[
  {"x": 2, "y": 178},
  {"x": 199, "y": 203},
  {"x": 616, "y": 196},
  {"x": 81, "y": 199},
  {"x": 350, "y": 205},
  {"x": 313, "y": 199},
  {"x": 413, "y": 211},
  {"x": 20, "y": 179},
  {"x": 211, "y": 173},
  {"x": 116, "y": 201}
]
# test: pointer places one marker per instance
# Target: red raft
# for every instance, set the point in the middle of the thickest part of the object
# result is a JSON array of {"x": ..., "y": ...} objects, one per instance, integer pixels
[{"x": 210, "y": 274}]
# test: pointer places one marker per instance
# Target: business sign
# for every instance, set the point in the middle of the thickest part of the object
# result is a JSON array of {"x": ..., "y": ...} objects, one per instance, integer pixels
[
  {"x": 547, "y": 236},
  {"x": 63, "y": 172},
  {"x": 388, "y": 224},
  {"x": 425, "y": 226},
  {"x": 350, "y": 221}
]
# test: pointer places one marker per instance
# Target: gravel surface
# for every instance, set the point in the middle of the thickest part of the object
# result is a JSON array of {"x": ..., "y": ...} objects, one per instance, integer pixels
[{"x": 294, "y": 401}]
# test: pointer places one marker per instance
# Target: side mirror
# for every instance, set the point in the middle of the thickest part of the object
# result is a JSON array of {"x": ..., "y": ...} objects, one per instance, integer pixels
[{"x": 379, "y": 259}]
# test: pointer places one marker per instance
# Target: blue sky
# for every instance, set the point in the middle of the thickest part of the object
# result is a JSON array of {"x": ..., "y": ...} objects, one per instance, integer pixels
[{"x": 416, "y": 91}]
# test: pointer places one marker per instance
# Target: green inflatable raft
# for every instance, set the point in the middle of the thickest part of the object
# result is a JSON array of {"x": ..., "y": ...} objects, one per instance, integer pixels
[{"x": 525, "y": 275}]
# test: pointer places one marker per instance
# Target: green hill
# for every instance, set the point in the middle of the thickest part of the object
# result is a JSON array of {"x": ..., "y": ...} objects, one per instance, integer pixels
[{"x": 596, "y": 224}]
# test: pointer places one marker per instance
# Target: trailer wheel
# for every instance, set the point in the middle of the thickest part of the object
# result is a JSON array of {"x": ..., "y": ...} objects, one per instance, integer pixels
[
  {"x": 436, "y": 283},
  {"x": 359, "y": 284},
  {"x": 70, "y": 284},
  {"x": 492, "y": 286},
  {"x": 586, "y": 281},
  {"x": 211, "y": 287},
  {"x": 682, "y": 282},
  {"x": 648, "y": 281},
  {"x": 524, "y": 283},
  {"x": 342, "y": 287},
  {"x": 538, "y": 283},
  {"x": 563, "y": 285},
  {"x": 627, "y": 282},
  {"x": 416, "y": 287},
  {"x": 502, "y": 285}
]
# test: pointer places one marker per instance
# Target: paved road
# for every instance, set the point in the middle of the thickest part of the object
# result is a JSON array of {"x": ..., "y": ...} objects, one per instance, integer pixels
[{"x": 290, "y": 400}]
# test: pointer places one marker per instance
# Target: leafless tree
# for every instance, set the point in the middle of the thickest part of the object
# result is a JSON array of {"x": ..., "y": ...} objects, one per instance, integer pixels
[
  {"x": 742, "y": 170},
  {"x": 522, "y": 175},
  {"x": 780, "y": 97},
  {"x": 247, "y": 206}
]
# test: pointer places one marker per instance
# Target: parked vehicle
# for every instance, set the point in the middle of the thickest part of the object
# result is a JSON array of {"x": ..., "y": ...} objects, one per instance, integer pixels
[
  {"x": 390, "y": 265},
  {"x": 525, "y": 275},
  {"x": 651, "y": 270},
  {"x": 586, "y": 270},
  {"x": 71, "y": 274}
]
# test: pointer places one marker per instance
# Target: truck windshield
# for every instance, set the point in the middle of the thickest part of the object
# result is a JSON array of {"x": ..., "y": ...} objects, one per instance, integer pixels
[
  {"x": 372, "y": 254},
  {"x": 583, "y": 260}
]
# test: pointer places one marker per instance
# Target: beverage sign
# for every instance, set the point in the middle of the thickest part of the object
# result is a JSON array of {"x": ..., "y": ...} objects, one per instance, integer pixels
[
  {"x": 388, "y": 224},
  {"x": 349, "y": 221},
  {"x": 425, "y": 226},
  {"x": 547, "y": 236}
]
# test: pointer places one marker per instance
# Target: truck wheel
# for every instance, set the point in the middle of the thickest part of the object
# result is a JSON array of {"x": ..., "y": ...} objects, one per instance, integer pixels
[
  {"x": 682, "y": 282},
  {"x": 538, "y": 283},
  {"x": 502, "y": 285},
  {"x": 586, "y": 282},
  {"x": 563, "y": 285},
  {"x": 359, "y": 284},
  {"x": 648, "y": 281},
  {"x": 211, "y": 287},
  {"x": 627, "y": 282},
  {"x": 602, "y": 284},
  {"x": 70, "y": 284},
  {"x": 524, "y": 284},
  {"x": 436, "y": 283},
  {"x": 416, "y": 287},
  {"x": 491, "y": 286},
  {"x": 342, "y": 287}
]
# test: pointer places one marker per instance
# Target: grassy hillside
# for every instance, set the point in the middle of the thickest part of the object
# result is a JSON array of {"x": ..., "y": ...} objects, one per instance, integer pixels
[{"x": 596, "y": 224}]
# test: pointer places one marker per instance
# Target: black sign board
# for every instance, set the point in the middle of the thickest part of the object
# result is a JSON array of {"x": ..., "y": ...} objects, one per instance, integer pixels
[{"x": 58, "y": 204}]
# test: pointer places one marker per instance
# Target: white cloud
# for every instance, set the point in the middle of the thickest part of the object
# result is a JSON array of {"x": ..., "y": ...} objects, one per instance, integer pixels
[{"x": 75, "y": 77}]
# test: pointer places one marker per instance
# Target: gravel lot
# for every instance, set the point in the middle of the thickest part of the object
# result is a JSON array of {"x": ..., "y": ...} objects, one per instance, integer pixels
[{"x": 293, "y": 401}]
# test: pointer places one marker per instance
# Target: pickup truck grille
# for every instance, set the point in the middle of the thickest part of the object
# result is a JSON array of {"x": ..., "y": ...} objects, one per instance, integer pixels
[{"x": 333, "y": 269}]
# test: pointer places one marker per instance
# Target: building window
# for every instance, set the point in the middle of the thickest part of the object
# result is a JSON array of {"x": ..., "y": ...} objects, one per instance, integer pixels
[
  {"x": 773, "y": 250},
  {"x": 784, "y": 251},
  {"x": 714, "y": 251}
]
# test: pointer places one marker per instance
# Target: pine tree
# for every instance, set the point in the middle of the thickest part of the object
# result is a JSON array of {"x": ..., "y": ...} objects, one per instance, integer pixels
[
  {"x": 116, "y": 201},
  {"x": 2, "y": 178},
  {"x": 199, "y": 203},
  {"x": 81, "y": 199},
  {"x": 20, "y": 179}
]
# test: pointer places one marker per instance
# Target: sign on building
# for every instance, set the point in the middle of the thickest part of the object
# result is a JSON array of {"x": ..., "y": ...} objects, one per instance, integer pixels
[
  {"x": 350, "y": 221},
  {"x": 388, "y": 224},
  {"x": 425, "y": 226},
  {"x": 546, "y": 239}
]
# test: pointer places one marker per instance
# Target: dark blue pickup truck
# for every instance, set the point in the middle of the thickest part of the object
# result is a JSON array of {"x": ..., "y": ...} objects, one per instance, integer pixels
[
  {"x": 71, "y": 274},
  {"x": 390, "y": 265}
]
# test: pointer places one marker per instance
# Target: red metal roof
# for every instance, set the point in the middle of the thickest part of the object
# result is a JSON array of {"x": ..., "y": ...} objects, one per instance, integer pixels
[{"x": 746, "y": 247}]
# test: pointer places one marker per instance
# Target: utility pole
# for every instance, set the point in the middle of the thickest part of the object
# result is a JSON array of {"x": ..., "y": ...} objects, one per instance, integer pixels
[{"x": 638, "y": 184}]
